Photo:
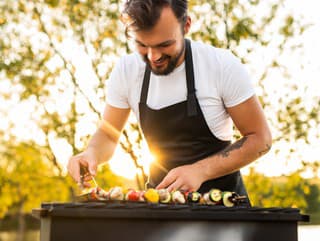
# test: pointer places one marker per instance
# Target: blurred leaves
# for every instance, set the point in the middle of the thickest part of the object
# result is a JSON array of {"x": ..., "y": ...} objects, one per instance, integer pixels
[
  {"x": 288, "y": 28},
  {"x": 284, "y": 191},
  {"x": 294, "y": 120},
  {"x": 28, "y": 179},
  {"x": 56, "y": 56},
  {"x": 34, "y": 60}
]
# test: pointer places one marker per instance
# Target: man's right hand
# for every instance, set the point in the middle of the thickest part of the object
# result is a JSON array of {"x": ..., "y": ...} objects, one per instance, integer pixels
[
  {"x": 85, "y": 159},
  {"x": 101, "y": 146}
]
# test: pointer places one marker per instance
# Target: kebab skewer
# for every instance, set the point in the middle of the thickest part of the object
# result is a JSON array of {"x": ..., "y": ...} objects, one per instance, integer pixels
[
  {"x": 213, "y": 197},
  {"x": 231, "y": 199}
]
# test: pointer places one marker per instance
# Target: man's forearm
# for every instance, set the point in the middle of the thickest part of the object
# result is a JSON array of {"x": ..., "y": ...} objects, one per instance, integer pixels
[
  {"x": 235, "y": 156},
  {"x": 102, "y": 145}
]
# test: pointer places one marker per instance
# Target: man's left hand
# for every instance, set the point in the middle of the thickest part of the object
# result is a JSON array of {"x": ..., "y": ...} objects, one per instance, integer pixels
[{"x": 187, "y": 178}]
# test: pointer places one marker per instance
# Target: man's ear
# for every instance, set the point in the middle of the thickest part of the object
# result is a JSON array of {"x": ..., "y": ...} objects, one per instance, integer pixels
[{"x": 187, "y": 25}]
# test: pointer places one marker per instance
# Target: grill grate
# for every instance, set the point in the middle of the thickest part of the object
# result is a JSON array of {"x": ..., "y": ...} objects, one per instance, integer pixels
[{"x": 150, "y": 206}]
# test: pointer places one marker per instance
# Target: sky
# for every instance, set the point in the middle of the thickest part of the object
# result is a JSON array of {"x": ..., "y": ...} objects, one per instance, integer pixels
[{"x": 270, "y": 164}]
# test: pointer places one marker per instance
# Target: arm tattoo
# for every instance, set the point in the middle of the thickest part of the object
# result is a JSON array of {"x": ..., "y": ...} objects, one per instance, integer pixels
[
  {"x": 261, "y": 153},
  {"x": 237, "y": 145}
]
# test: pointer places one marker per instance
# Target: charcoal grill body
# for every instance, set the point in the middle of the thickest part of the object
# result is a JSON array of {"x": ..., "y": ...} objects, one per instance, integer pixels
[{"x": 150, "y": 222}]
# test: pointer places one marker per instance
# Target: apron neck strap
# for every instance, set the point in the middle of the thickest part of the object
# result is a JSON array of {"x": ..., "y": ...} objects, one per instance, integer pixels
[
  {"x": 191, "y": 98},
  {"x": 145, "y": 85}
]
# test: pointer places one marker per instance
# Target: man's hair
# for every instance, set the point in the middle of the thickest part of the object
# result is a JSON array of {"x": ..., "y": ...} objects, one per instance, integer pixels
[{"x": 144, "y": 14}]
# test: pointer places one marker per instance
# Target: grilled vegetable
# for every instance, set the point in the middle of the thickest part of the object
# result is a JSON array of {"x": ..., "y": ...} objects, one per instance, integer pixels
[
  {"x": 101, "y": 194},
  {"x": 164, "y": 196},
  {"x": 151, "y": 195},
  {"x": 141, "y": 196},
  {"x": 132, "y": 195},
  {"x": 92, "y": 194},
  {"x": 215, "y": 195},
  {"x": 178, "y": 197},
  {"x": 116, "y": 193},
  {"x": 207, "y": 200},
  {"x": 229, "y": 198},
  {"x": 193, "y": 197}
]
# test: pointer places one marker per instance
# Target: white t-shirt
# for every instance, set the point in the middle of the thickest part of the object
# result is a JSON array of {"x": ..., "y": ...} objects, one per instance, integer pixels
[{"x": 220, "y": 81}]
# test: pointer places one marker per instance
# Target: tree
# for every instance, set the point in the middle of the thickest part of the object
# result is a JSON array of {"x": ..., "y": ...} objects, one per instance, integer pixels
[
  {"x": 27, "y": 180},
  {"x": 286, "y": 191},
  {"x": 57, "y": 55},
  {"x": 45, "y": 72},
  {"x": 265, "y": 35}
]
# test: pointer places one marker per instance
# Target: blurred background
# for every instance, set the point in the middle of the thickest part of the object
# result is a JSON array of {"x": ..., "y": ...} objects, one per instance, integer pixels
[{"x": 56, "y": 56}]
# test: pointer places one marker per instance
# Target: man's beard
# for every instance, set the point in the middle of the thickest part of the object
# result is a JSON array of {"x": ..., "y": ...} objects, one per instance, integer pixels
[{"x": 172, "y": 63}]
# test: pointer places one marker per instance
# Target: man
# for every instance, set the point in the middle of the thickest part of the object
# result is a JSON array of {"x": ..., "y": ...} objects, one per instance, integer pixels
[{"x": 185, "y": 95}]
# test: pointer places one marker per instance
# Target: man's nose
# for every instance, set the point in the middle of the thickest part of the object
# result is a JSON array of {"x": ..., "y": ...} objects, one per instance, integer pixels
[{"x": 153, "y": 54}]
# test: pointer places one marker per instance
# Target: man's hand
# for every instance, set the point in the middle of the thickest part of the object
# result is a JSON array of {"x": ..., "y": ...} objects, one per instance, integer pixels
[
  {"x": 101, "y": 146},
  {"x": 86, "y": 159},
  {"x": 187, "y": 177}
]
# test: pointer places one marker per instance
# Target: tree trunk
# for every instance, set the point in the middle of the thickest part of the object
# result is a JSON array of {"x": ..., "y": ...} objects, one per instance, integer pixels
[{"x": 21, "y": 223}]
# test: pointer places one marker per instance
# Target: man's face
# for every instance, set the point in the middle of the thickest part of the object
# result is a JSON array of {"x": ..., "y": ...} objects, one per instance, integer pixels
[{"x": 162, "y": 47}]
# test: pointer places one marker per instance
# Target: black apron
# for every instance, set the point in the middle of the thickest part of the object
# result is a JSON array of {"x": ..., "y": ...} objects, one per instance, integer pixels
[{"x": 179, "y": 135}]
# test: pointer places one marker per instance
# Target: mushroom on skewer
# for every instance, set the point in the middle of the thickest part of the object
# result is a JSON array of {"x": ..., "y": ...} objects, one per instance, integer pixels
[
  {"x": 164, "y": 196},
  {"x": 231, "y": 199},
  {"x": 178, "y": 197},
  {"x": 116, "y": 193}
]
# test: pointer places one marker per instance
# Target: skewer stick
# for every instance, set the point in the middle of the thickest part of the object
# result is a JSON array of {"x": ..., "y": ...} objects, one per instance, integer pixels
[
  {"x": 238, "y": 199},
  {"x": 84, "y": 173},
  {"x": 94, "y": 181}
]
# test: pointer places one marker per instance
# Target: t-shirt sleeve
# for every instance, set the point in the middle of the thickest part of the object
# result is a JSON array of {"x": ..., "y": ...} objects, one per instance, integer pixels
[
  {"x": 236, "y": 84},
  {"x": 117, "y": 87}
]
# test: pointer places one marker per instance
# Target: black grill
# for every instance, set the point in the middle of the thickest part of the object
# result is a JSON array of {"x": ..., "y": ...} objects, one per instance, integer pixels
[{"x": 129, "y": 221}]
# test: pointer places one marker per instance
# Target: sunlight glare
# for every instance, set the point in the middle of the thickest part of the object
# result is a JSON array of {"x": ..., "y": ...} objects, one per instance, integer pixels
[{"x": 122, "y": 165}]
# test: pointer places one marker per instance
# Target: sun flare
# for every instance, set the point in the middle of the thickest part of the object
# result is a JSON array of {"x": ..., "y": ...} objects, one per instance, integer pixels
[{"x": 121, "y": 163}]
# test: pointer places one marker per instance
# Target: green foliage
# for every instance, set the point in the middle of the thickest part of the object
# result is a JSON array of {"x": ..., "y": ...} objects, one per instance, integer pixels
[
  {"x": 52, "y": 3},
  {"x": 288, "y": 29},
  {"x": 106, "y": 179},
  {"x": 27, "y": 179},
  {"x": 285, "y": 191},
  {"x": 313, "y": 198},
  {"x": 294, "y": 126},
  {"x": 226, "y": 23},
  {"x": 44, "y": 72},
  {"x": 5, "y": 200},
  {"x": 247, "y": 27}
]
